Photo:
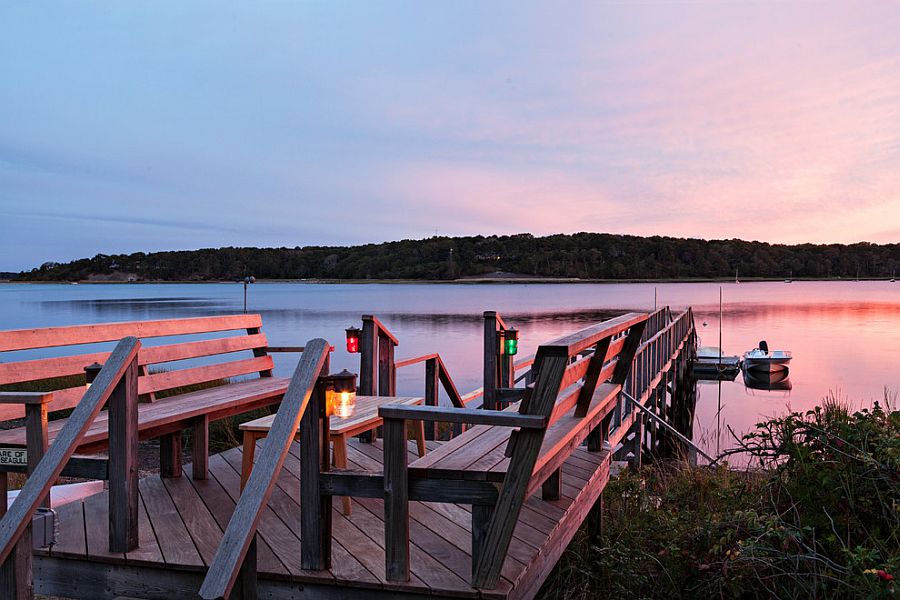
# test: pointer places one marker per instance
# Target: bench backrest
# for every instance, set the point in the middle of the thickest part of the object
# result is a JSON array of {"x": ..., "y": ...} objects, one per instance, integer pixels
[{"x": 235, "y": 347}]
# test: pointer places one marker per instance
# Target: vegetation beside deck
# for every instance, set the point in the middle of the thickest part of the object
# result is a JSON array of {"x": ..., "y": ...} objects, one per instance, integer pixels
[{"x": 820, "y": 521}]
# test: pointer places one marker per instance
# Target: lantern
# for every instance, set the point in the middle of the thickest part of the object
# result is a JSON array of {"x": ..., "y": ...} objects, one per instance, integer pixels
[
  {"x": 90, "y": 374},
  {"x": 340, "y": 394},
  {"x": 353, "y": 339},
  {"x": 510, "y": 342}
]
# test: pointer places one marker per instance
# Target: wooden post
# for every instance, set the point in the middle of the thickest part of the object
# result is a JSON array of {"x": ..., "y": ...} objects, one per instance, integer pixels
[
  {"x": 551, "y": 489},
  {"x": 170, "y": 455},
  {"x": 200, "y": 447},
  {"x": 16, "y": 572},
  {"x": 315, "y": 509},
  {"x": 481, "y": 518},
  {"x": 123, "y": 462},
  {"x": 432, "y": 390},
  {"x": 368, "y": 364},
  {"x": 595, "y": 520},
  {"x": 258, "y": 351},
  {"x": 491, "y": 358},
  {"x": 368, "y": 349},
  {"x": 396, "y": 501},
  {"x": 36, "y": 438},
  {"x": 387, "y": 372},
  {"x": 637, "y": 444},
  {"x": 247, "y": 575}
]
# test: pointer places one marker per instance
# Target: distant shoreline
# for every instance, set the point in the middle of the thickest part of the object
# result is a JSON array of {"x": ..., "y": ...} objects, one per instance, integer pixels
[{"x": 466, "y": 281}]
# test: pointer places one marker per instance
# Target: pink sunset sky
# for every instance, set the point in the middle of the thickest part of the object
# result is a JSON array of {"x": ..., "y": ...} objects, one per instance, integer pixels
[{"x": 146, "y": 126}]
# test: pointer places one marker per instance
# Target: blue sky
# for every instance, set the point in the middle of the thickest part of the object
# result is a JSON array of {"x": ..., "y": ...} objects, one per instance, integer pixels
[{"x": 160, "y": 125}]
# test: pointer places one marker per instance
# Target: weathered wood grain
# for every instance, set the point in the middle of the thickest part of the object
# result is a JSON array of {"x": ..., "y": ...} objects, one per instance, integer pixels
[
  {"x": 241, "y": 529},
  {"x": 18, "y": 517}
]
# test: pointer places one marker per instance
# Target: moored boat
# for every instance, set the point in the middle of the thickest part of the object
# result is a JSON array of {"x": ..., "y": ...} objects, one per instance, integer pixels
[{"x": 762, "y": 359}]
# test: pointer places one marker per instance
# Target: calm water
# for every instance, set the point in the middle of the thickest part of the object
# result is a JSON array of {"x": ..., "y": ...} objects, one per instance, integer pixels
[{"x": 845, "y": 336}]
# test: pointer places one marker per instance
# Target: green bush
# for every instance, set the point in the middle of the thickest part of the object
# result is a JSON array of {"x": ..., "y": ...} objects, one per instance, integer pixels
[{"x": 820, "y": 519}]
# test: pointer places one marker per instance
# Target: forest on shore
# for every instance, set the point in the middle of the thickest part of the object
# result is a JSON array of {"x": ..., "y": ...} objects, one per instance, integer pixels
[{"x": 580, "y": 255}]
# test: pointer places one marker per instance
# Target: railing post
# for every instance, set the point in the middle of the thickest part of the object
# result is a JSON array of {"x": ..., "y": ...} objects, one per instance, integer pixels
[
  {"x": 368, "y": 348},
  {"x": 315, "y": 509},
  {"x": 432, "y": 390},
  {"x": 387, "y": 372},
  {"x": 491, "y": 356},
  {"x": 396, "y": 501},
  {"x": 368, "y": 373},
  {"x": 123, "y": 462}
]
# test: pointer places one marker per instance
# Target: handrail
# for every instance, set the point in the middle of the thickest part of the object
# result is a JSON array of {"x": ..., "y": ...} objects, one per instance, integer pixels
[
  {"x": 574, "y": 343},
  {"x": 241, "y": 530},
  {"x": 408, "y": 362},
  {"x": 122, "y": 360},
  {"x": 381, "y": 329}
]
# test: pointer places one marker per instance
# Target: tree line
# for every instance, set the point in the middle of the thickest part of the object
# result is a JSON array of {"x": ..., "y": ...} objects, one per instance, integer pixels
[{"x": 580, "y": 255}]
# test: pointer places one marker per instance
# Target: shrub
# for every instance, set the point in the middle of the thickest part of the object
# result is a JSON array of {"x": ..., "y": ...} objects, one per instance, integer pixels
[{"x": 820, "y": 519}]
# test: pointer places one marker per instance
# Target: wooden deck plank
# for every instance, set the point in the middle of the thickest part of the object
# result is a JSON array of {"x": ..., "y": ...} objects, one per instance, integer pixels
[
  {"x": 148, "y": 551},
  {"x": 440, "y": 534},
  {"x": 96, "y": 527},
  {"x": 171, "y": 532},
  {"x": 277, "y": 535},
  {"x": 345, "y": 568},
  {"x": 457, "y": 534},
  {"x": 200, "y": 524},
  {"x": 441, "y": 579},
  {"x": 221, "y": 507}
]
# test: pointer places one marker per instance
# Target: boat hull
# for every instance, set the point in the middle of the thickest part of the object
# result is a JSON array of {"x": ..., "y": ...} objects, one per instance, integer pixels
[{"x": 766, "y": 365}]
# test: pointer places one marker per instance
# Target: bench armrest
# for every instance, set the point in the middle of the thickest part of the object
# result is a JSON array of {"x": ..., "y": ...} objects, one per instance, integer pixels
[
  {"x": 25, "y": 397},
  {"x": 469, "y": 416}
]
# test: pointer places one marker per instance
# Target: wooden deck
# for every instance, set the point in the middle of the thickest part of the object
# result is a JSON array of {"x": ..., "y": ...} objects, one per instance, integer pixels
[{"x": 182, "y": 520}]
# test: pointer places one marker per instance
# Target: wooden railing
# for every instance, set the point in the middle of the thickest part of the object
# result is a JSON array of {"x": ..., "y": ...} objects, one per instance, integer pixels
[
  {"x": 651, "y": 365},
  {"x": 436, "y": 376},
  {"x": 236, "y": 555},
  {"x": 117, "y": 384}
]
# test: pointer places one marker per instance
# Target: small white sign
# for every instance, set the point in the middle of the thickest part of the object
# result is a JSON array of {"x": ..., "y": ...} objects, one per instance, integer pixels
[{"x": 14, "y": 457}]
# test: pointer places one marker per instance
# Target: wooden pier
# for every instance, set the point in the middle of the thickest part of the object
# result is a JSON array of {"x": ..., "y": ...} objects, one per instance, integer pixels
[
  {"x": 416, "y": 529},
  {"x": 181, "y": 521}
]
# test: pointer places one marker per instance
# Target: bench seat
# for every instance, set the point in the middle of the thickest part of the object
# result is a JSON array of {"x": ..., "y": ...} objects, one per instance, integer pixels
[
  {"x": 479, "y": 454},
  {"x": 169, "y": 415}
]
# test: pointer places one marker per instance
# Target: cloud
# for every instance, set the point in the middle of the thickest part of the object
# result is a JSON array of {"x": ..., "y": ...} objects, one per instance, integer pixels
[{"x": 267, "y": 125}]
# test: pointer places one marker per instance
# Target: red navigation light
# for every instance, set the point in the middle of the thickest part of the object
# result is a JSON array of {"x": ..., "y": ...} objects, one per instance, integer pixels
[{"x": 353, "y": 340}]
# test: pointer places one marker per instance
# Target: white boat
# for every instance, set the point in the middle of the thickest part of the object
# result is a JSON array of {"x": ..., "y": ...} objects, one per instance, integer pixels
[
  {"x": 762, "y": 359},
  {"x": 767, "y": 361}
]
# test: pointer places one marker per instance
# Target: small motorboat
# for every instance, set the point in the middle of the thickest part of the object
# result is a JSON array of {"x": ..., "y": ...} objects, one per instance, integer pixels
[{"x": 762, "y": 359}]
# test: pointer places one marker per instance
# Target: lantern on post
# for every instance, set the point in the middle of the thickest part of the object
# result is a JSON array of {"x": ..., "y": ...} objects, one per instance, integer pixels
[
  {"x": 353, "y": 339},
  {"x": 340, "y": 394},
  {"x": 510, "y": 342},
  {"x": 90, "y": 374}
]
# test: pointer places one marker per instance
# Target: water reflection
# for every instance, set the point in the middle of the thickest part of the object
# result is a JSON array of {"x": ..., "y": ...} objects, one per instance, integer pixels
[
  {"x": 843, "y": 335},
  {"x": 762, "y": 380}
]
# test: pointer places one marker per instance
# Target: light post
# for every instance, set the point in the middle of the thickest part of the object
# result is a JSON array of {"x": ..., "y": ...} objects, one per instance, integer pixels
[{"x": 247, "y": 281}]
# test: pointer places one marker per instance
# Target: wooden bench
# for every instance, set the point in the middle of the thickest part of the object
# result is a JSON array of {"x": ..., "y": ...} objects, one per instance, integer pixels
[
  {"x": 577, "y": 381},
  {"x": 364, "y": 419},
  {"x": 232, "y": 346}
]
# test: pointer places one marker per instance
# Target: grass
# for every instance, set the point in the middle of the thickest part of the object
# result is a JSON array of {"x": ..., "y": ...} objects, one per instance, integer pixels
[{"x": 818, "y": 517}]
